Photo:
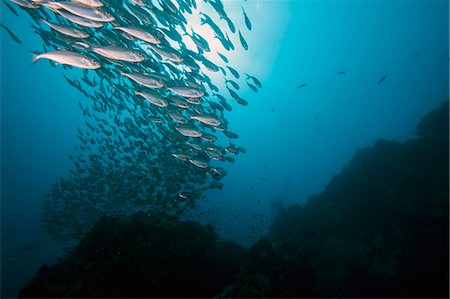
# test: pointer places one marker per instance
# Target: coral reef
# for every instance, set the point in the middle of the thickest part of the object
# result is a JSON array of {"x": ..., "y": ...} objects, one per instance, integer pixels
[{"x": 379, "y": 229}]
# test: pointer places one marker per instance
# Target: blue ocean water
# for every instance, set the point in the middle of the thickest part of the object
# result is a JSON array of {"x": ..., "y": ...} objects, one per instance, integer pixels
[{"x": 296, "y": 138}]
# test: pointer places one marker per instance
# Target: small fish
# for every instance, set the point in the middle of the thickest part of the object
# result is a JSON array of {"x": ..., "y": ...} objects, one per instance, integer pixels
[
  {"x": 209, "y": 119},
  {"x": 243, "y": 41},
  {"x": 186, "y": 91},
  {"x": 144, "y": 80},
  {"x": 252, "y": 87},
  {"x": 341, "y": 72},
  {"x": 70, "y": 58},
  {"x": 153, "y": 98},
  {"x": 255, "y": 80},
  {"x": 233, "y": 72},
  {"x": 83, "y": 11},
  {"x": 79, "y": 20},
  {"x": 199, "y": 162},
  {"x": 13, "y": 36},
  {"x": 382, "y": 79},
  {"x": 302, "y": 85},
  {"x": 233, "y": 83},
  {"x": 223, "y": 57},
  {"x": 67, "y": 30},
  {"x": 140, "y": 33},
  {"x": 246, "y": 20},
  {"x": 11, "y": 8},
  {"x": 188, "y": 131}
]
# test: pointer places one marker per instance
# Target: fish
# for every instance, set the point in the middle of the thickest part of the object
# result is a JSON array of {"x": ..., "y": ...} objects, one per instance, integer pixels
[
  {"x": 243, "y": 41},
  {"x": 224, "y": 58},
  {"x": 302, "y": 85},
  {"x": 153, "y": 98},
  {"x": 154, "y": 115},
  {"x": 233, "y": 72},
  {"x": 233, "y": 83},
  {"x": 87, "y": 12},
  {"x": 146, "y": 80},
  {"x": 11, "y": 34},
  {"x": 199, "y": 162},
  {"x": 11, "y": 8},
  {"x": 382, "y": 79},
  {"x": 254, "y": 79},
  {"x": 167, "y": 53},
  {"x": 67, "y": 30},
  {"x": 144, "y": 34},
  {"x": 186, "y": 91},
  {"x": 341, "y": 72},
  {"x": 79, "y": 20},
  {"x": 69, "y": 58},
  {"x": 189, "y": 131},
  {"x": 26, "y": 4},
  {"x": 246, "y": 20},
  {"x": 119, "y": 53},
  {"x": 252, "y": 87}
]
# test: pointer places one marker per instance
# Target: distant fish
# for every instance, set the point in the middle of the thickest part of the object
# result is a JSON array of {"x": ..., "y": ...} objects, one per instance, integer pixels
[
  {"x": 246, "y": 20},
  {"x": 11, "y": 8},
  {"x": 13, "y": 36},
  {"x": 223, "y": 57},
  {"x": 243, "y": 41},
  {"x": 233, "y": 72},
  {"x": 255, "y": 80},
  {"x": 252, "y": 87},
  {"x": 302, "y": 85},
  {"x": 233, "y": 83},
  {"x": 382, "y": 79},
  {"x": 341, "y": 72}
]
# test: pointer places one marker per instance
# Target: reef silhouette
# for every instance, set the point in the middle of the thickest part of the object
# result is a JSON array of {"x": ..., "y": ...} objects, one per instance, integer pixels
[{"x": 379, "y": 229}]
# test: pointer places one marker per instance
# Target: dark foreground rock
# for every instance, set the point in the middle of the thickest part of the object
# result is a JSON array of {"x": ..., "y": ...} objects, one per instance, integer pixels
[
  {"x": 141, "y": 256},
  {"x": 380, "y": 229}
]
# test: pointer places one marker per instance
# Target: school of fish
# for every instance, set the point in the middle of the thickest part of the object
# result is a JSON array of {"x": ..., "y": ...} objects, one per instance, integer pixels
[{"x": 154, "y": 133}]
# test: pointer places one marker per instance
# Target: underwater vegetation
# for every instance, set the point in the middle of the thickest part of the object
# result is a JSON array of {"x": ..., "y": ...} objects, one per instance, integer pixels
[{"x": 379, "y": 229}]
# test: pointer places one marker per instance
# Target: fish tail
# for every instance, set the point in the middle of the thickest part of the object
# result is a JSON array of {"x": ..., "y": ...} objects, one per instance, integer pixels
[{"x": 35, "y": 57}]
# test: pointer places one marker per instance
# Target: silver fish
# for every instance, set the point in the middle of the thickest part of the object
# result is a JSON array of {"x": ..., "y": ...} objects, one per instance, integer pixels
[
  {"x": 188, "y": 131},
  {"x": 209, "y": 119},
  {"x": 119, "y": 53},
  {"x": 140, "y": 33},
  {"x": 84, "y": 11},
  {"x": 70, "y": 58},
  {"x": 144, "y": 80},
  {"x": 67, "y": 30},
  {"x": 153, "y": 98},
  {"x": 78, "y": 20},
  {"x": 186, "y": 91}
]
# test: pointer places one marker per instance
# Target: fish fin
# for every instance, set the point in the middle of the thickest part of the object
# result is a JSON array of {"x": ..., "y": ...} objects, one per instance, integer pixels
[{"x": 35, "y": 57}]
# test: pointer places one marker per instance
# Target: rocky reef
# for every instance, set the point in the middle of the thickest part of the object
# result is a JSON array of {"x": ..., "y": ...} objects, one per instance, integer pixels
[{"x": 379, "y": 229}]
